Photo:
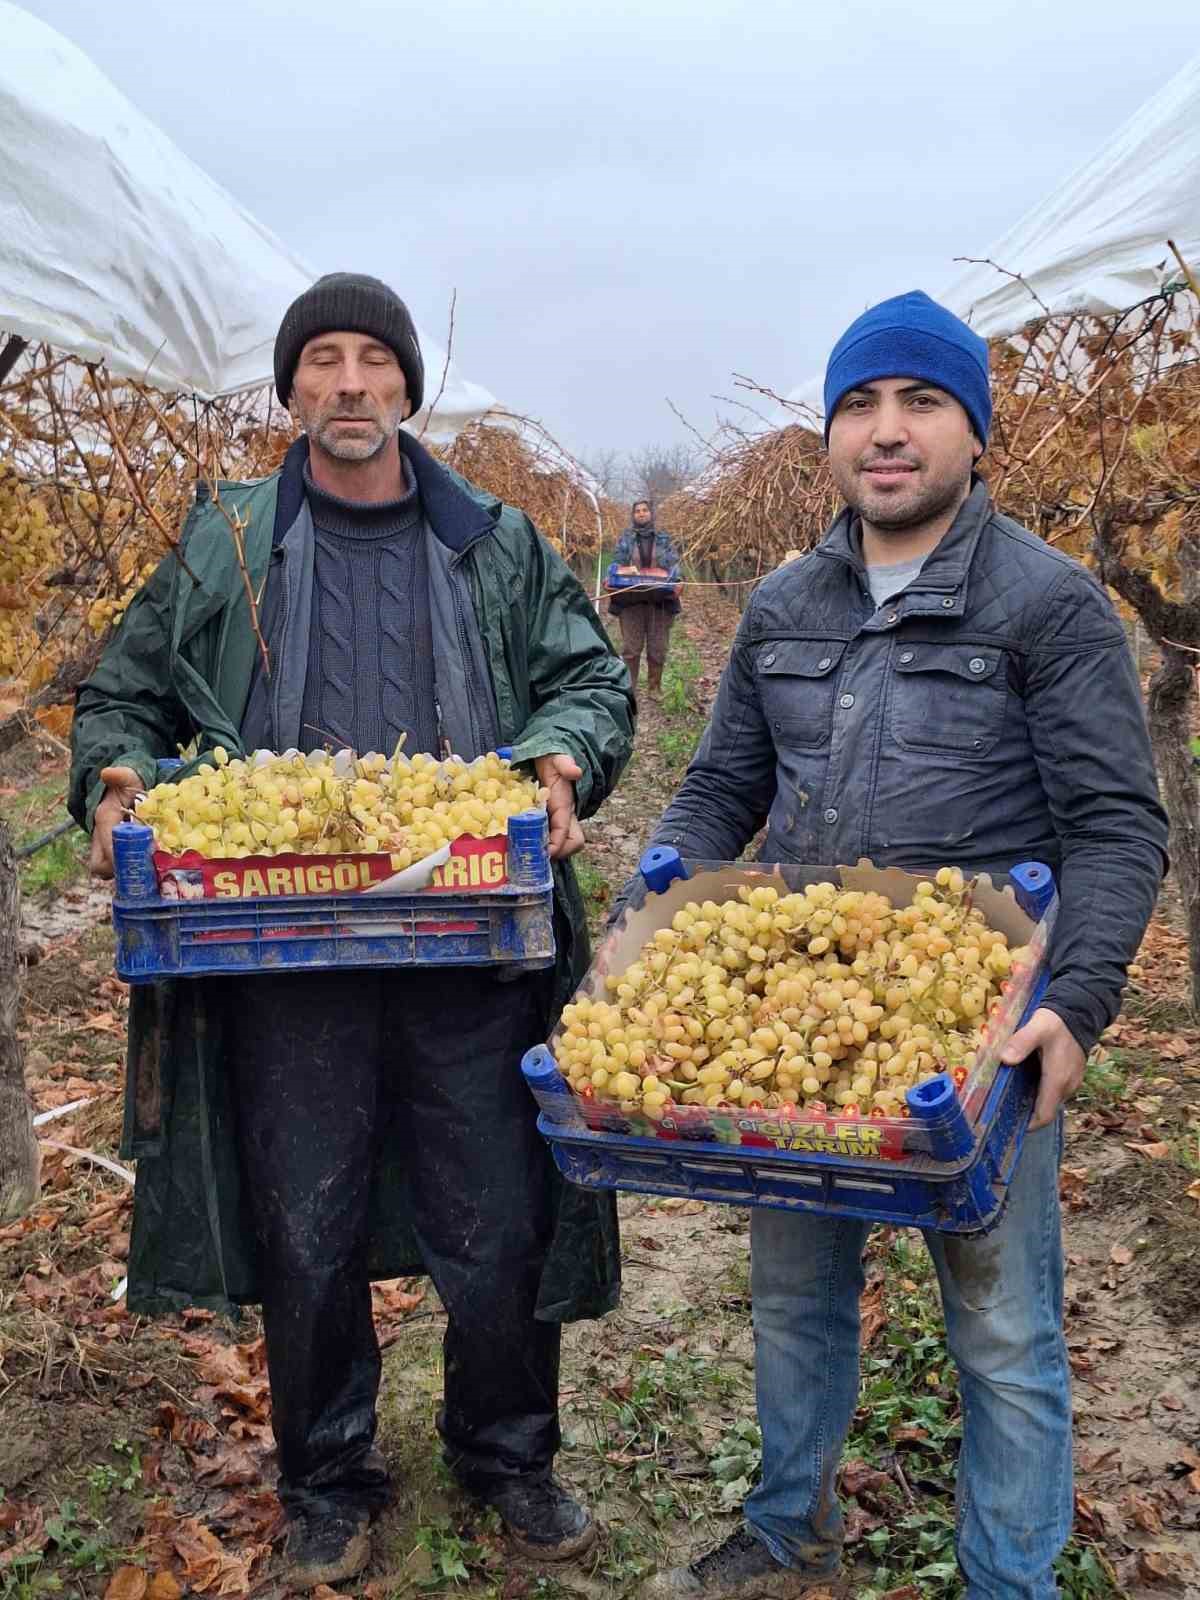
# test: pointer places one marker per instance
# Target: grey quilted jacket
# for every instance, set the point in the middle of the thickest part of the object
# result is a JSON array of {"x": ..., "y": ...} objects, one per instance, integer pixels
[{"x": 988, "y": 715}]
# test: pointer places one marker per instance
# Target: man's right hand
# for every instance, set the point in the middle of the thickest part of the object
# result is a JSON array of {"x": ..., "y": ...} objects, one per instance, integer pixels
[{"x": 121, "y": 786}]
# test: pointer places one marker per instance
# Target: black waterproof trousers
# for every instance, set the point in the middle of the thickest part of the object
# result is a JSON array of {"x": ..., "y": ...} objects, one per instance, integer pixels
[{"x": 335, "y": 1073}]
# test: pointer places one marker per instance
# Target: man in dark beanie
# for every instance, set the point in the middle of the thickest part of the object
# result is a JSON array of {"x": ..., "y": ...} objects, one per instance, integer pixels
[
  {"x": 931, "y": 686},
  {"x": 647, "y": 613},
  {"x": 298, "y": 1135}
]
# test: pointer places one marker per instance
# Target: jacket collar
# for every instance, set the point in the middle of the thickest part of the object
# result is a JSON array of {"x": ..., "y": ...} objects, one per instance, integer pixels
[
  {"x": 457, "y": 514},
  {"x": 948, "y": 563}
]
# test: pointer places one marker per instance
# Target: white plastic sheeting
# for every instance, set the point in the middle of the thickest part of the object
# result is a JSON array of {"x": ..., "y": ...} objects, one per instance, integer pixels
[
  {"x": 1098, "y": 243},
  {"x": 115, "y": 246}
]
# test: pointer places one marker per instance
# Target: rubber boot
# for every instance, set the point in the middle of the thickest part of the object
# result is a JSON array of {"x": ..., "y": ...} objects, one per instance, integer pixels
[
  {"x": 654, "y": 674},
  {"x": 633, "y": 663}
]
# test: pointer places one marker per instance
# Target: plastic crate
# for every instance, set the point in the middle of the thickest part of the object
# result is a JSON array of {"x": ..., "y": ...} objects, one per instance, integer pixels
[
  {"x": 640, "y": 580},
  {"x": 512, "y": 925},
  {"x": 956, "y": 1182}
]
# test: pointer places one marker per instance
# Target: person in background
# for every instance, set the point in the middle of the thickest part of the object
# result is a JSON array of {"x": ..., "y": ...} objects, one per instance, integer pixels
[
  {"x": 932, "y": 685},
  {"x": 300, "y": 1134},
  {"x": 646, "y": 615}
]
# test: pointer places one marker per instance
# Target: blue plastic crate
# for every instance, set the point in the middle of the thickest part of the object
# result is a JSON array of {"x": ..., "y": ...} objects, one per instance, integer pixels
[
  {"x": 512, "y": 925},
  {"x": 960, "y": 1186},
  {"x": 629, "y": 580}
]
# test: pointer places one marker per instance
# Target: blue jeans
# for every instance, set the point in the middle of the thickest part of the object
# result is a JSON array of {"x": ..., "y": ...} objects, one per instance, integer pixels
[{"x": 1002, "y": 1297}]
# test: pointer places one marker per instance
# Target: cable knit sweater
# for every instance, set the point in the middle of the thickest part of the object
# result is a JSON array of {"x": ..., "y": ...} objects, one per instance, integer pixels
[{"x": 370, "y": 650}]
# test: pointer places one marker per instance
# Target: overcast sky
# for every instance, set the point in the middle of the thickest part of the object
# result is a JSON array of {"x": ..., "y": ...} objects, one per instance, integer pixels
[{"x": 634, "y": 201}]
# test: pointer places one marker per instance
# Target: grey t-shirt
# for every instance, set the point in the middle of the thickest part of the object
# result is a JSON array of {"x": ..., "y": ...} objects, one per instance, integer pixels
[{"x": 887, "y": 581}]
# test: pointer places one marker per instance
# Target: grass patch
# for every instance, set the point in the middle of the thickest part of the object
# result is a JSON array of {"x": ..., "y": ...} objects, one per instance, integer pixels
[
  {"x": 680, "y": 703},
  {"x": 677, "y": 746},
  {"x": 1112, "y": 1074},
  {"x": 81, "y": 1545},
  {"x": 56, "y": 866},
  {"x": 33, "y": 810},
  {"x": 680, "y": 676},
  {"x": 596, "y": 891},
  {"x": 1162, "y": 1012},
  {"x": 1105, "y": 1080}
]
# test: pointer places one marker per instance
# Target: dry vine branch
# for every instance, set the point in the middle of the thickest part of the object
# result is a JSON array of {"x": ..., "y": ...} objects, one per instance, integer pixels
[{"x": 445, "y": 367}]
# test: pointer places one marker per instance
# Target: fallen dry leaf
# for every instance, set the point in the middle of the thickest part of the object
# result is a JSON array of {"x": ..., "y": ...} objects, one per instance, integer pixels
[
  {"x": 1154, "y": 1567},
  {"x": 1174, "y": 1049},
  {"x": 189, "y": 1431},
  {"x": 1193, "y": 1190},
  {"x": 207, "y": 1566},
  {"x": 13, "y": 1513},
  {"x": 859, "y": 1523},
  {"x": 257, "y": 1516},
  {"x": 230, "y": 1468},
  {"x": 857, "y": 1477},
  {"x": 36, "y": 1539},
  {"x": 873, "y": 1313},
  {"x": 1157, "y": 1150},
  {"x": 1072, "y": 1185},
  {"x": 127, "y": 1583},
  {"x": 104, "y": 1022},
  {"x": 1088, "y": 1518},
  {"x": 1170, "y": 1402},
  {"x": 164, "y": 1585},
  {"x": 1144, "y": 1511}
]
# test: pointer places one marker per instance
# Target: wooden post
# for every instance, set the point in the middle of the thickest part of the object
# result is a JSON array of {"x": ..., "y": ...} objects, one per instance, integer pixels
[
  {"x": 10, "y": 353},
  {"x": 18, "y": 1148}
]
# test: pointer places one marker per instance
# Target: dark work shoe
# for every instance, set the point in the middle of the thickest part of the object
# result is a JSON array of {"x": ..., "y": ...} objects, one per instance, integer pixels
[
  {"x": 326, "y": 1547},
  {"x": 740, "y": 1569},
  {"x": 541, "y": 1519}
]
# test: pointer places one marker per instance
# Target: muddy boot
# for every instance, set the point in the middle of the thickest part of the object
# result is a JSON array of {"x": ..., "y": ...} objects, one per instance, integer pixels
[
  {"x": 740, "y": 1569},
  {"x": 327, "y": 1547},
  {"x": 654, "y": 674},
  {"x": 632, "y": 662},
  {"x": 541, "y": 1519}
]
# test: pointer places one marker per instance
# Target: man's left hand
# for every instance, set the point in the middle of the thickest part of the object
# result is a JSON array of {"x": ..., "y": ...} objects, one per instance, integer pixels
[
  {"x": 558, "y": 775},
  {"x": 1063, "y": 1062}
]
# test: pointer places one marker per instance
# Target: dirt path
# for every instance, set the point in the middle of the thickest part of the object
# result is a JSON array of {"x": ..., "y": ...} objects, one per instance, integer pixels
[{"x": 136, "y": 1459}]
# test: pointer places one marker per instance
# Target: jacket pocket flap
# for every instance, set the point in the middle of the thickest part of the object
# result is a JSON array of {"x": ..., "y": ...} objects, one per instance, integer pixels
[
  {"x": 974, "y": 663},
  {"x": 801, "y": 658}
]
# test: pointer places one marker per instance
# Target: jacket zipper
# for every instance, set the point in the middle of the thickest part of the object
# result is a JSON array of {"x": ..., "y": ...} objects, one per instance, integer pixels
[{"x": 284, "y": 614}]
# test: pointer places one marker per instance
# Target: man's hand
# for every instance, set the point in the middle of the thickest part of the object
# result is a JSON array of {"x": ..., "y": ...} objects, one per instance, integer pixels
[
  {"x": 558, "y": 775},
  {"x": 1063, "y": 1062},
  {"x": 121, "y": 785}
]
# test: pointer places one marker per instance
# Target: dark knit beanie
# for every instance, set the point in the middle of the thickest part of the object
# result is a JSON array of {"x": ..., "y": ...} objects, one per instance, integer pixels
[
  {"x": 911, "y": 336},
  {"x": 349, "y": 302}
]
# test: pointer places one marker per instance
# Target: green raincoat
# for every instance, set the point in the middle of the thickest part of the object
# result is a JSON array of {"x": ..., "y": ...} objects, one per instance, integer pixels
[{"x": 180, "y": 667}]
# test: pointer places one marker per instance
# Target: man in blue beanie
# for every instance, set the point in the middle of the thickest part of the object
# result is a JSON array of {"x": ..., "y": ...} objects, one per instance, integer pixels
[{"x": 932, "y": 685}]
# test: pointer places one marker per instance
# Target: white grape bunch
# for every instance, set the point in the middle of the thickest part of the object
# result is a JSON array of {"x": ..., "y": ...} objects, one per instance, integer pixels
[
  {"x": 308, "y": 805},
  {"x": 828, "y": 1000}
]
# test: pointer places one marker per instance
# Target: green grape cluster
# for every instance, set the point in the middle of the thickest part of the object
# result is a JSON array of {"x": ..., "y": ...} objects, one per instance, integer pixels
[
  {"x": 315, "y": 805},
  {"x": 829, "y": 1000}
]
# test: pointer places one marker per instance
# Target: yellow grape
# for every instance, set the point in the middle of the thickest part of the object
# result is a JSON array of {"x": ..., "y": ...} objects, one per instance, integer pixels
[
  {"x": 406, "y": 806},
  {"x": 829, "y": 995}
]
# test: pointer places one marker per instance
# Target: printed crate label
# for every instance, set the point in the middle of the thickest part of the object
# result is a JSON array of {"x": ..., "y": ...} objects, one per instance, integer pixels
[{"x": 467, "y": 866}]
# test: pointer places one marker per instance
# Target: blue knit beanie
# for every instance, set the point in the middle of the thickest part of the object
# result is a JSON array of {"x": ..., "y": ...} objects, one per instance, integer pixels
[{"x": 911, "y": 336}]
